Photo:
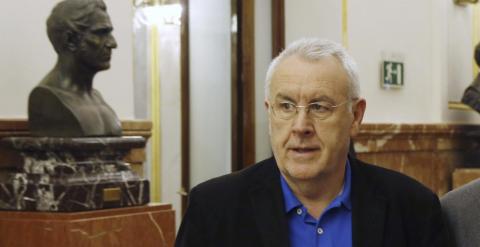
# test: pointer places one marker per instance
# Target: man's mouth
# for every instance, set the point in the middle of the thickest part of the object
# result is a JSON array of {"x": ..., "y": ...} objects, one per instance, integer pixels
[
  {"x": 106, "y": 55},
  {"x": 304, "y": 149}
]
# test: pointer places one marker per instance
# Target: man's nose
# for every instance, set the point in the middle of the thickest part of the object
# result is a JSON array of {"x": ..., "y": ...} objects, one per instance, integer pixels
[
  {"x": 302, "y": 123},
  {"x": 111, "y": 42}
]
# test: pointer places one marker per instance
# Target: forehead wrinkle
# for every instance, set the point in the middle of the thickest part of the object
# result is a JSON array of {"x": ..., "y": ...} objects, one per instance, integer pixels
[
  {"x": 307, "y": 80},
  {"x": 315, "y": 92}
]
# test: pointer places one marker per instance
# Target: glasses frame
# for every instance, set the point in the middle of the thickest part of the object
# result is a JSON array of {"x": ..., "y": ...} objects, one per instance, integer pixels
[{"x": 307, "y": 109}]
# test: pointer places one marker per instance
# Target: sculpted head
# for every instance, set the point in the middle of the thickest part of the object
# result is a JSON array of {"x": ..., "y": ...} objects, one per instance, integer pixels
[
  {"x": 314, "y": 107},
  {"x": 81, "y": 29},
  {"x": 81, "y": 33}
]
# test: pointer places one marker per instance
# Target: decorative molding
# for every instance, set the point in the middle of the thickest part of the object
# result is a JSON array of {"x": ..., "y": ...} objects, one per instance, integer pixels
[
  {"x": 345, "y": 23},
  {"x": 463, "y": 2},
  {"x": 185, "y": 103},
  {"x": 454, "y": 105},
  {"x": 278, "y": 26},
  {"x": 243, "y": 84}
]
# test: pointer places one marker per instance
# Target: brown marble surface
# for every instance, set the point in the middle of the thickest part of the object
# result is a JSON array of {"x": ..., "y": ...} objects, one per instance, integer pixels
[
  {"x": 145, "y": 226},
  {"x": 462, "y": 176},
  {"x": 427, "y": 152}
]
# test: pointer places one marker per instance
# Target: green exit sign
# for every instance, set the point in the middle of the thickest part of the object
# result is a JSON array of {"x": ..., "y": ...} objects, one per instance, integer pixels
[{"x": 392, "y": 74}]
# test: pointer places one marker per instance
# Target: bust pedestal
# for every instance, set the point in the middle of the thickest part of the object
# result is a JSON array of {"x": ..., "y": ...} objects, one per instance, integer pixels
[
  {"x": 142, "y": 226},
  {"x": 71, "y": 174}
]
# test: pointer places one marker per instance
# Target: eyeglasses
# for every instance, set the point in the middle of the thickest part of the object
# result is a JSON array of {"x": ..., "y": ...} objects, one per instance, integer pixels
[{"x": 318, "y": 110}]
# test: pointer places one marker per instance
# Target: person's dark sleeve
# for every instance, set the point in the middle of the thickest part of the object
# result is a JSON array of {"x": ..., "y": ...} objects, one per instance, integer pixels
[
  {"x": 192, "y": 232},
  {"x": 435, "y": 228}
]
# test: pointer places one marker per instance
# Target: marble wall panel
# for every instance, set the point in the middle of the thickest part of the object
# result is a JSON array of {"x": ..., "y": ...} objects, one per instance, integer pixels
[
  {"x": 462, "y": 176},
  {"x": 428, "y": 153}
]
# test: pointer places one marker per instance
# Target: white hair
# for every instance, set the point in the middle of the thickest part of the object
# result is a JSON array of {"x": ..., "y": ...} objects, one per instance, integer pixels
[{"x": 314, "y": 49}]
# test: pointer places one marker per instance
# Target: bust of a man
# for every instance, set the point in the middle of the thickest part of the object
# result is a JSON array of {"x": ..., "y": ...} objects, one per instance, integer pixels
[
  {"x": 471, "y": 96},
  {"x": 64, "y": 103}
]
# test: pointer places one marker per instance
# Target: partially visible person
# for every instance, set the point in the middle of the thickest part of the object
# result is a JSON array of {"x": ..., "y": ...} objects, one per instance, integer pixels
[
  {"x": 461, "y": 208},
  {"x": 64, "y": 103},
  {"x": 471, "y": 95},
  {"x": 311, "y": 193}
]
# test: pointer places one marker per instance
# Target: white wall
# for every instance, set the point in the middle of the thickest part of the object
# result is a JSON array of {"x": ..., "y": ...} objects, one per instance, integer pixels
[
  {"x": 210, "y": 90},
  {"x": 27, "y": 56},
  {"x": 313, "y": 18},
  {"x": 434, "y": 38}
]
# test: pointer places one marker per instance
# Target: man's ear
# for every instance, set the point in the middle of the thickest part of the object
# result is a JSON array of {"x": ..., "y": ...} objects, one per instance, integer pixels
[
  {"x": 72, "y": 40},
  {"x": 266, "y": 104},
  {"x": 358, "y": 110}
]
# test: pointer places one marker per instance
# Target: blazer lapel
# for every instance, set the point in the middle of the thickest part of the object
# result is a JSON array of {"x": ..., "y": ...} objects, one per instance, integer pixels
[
  {"x": 267, "y": 202},
  {"x": 369, "y": 210}
]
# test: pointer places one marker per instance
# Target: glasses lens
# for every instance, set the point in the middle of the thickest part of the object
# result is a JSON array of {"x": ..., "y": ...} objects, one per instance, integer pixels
[
  {"x": 284, "y": 110},
  {"x": 317, "y": 110},
  {"x": 320, "y": 110}
]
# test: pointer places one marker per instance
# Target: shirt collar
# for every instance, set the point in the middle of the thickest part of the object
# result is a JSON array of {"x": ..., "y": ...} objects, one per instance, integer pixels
[{"x": 291, "y": 201}]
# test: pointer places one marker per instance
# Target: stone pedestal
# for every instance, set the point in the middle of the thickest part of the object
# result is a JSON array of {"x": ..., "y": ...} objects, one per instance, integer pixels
[
  {"x": 70, "y": 174},
  {"x": 143, "y": 226}
]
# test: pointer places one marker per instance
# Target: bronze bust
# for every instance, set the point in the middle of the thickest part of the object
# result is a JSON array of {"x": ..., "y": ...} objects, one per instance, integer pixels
[
  {"x": 64, "y": 103},
  {"x": 471, "y": 96}
]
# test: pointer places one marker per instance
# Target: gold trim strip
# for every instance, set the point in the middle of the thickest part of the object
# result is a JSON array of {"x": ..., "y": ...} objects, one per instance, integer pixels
[
  {"x": 345, "y": 23},
  {"x": 155, "y": 115},
  {"x": 454, "y": 105}
]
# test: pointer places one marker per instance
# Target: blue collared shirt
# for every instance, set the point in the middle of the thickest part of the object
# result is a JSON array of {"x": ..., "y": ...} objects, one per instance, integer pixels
[{"x": 333, "y": 228}]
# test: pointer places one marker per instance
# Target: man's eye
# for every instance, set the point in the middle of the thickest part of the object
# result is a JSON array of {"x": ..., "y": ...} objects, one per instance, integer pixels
[
  {"x": 102, "y": 31},
  {"x": 285, "y": 106},
  {"x": 319, "y": 107}
]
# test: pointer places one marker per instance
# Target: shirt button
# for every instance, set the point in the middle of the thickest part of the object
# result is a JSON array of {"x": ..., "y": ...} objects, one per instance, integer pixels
[
  {"x": 299, "y": 211},
  {"x": 319, "y": 231}
]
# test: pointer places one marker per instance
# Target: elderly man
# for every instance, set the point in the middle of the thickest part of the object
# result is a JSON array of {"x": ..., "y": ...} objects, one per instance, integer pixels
[
  {"x": 65, "y": 103},
  {"x": 311, "y": 193}
]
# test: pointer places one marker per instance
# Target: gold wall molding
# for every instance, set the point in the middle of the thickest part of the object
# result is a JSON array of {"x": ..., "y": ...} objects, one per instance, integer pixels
[
  {"x": 156, "y": 144},
  {"x": 463, "y": 2},
  {"x": 345, "y": 23}
]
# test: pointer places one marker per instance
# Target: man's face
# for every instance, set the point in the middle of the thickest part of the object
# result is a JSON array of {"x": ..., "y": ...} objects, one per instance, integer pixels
[
  {"x": 95, "y": 47},
  {"x": 306, "y": 148}
]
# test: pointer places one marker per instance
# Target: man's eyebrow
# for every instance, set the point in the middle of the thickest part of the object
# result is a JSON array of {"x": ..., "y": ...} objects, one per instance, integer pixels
[
  {"x": 102, "y": 27},
  {"x": 284, "y": 97}
]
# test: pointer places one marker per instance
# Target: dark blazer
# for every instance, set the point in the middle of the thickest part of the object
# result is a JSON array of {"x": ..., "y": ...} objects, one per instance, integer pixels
[{"x": 246, "y": 209}]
